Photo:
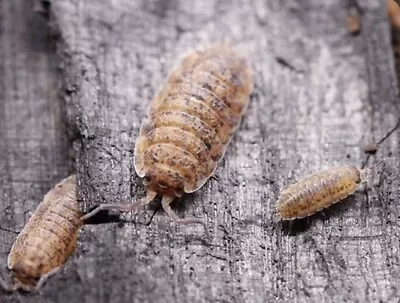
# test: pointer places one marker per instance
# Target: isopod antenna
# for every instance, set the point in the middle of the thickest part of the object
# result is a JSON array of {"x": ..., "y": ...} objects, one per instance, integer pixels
[
  {"x": 122, "y": 207},
  {"x": 7, "y": 287},
  {"x": 150, "y": 196}
]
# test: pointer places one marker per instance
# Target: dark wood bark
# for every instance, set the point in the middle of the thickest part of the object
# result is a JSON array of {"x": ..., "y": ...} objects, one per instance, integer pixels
[{"x": 320, "y": 95}]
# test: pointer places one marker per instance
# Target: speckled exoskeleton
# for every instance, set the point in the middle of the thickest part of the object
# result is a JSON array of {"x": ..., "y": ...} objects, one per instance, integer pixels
[
  {"x": 188, "y": 126},
  {"x": 318, "y": 191},
  {"x": 47, "y": 240}
]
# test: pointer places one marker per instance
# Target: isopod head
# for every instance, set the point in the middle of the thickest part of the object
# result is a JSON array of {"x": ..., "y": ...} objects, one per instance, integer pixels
[
  {"x": 25, "y": 272},
  {"x": 164, "y": 181}
]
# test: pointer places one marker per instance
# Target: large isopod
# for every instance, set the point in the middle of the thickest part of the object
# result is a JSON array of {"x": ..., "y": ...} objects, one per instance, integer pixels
[
  {"x": 188, "y": 126},
  {"x": 318, "y": 191},
  {"x": 47, "y": 240}
]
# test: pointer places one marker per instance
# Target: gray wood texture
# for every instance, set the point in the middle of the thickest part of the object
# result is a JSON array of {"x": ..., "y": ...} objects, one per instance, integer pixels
[{"x": 320, "y": 95}]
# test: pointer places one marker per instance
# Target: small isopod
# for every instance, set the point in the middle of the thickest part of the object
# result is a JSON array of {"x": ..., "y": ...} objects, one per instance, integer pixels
[
  {"x": 318, "y": 191},
  {"x": 354, "y": 23},
  {"x": 354, "y": 13},
  {"x": 47, "y": 240},
  {"x": 188, "y": 126}
]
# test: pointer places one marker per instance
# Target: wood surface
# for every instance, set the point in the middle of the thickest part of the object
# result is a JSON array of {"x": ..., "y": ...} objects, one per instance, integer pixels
[{"x": 321, "y": 95}]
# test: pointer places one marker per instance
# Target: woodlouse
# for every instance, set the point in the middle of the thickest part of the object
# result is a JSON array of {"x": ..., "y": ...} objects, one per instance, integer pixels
[
  {"x": 318, "y": 191},
  {"x": 394, "y": 13},
  {"x": 188, "y": 126},
  {"x": 354, "y": 13},
  {"x": 47, "y": 240},
  {"x": 354, "y": 22}
]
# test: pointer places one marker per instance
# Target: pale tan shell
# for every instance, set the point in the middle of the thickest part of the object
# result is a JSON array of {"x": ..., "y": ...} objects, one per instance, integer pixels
[
  {"x": 317, "y": 191},
  {"x": 49, "y": 237},
  {"x": 394, "y": 13},
  {"x": 192, "y": 119}
]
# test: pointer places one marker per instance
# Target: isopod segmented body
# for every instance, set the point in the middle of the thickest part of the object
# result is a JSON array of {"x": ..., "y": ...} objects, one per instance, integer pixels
[
  {"x": 318, "y": 191},
  {"x": 189, "y": 124},
  {"x": 191, "y": 121},
  {"x": 48, "y": 239}
]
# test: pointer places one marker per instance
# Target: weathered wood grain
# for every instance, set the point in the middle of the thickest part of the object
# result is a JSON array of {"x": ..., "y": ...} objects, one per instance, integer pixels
[
  {"x": 320, "y": 95},
  {"x": 34, "y": 146}
]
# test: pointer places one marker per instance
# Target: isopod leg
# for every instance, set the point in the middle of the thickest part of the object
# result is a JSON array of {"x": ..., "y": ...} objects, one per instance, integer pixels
[
  {"x": 122, "y": 207},
  {"x": 45, "y": 277},
  {"x": 166, "y": 201},
  {"x": 5, "y": 286}
]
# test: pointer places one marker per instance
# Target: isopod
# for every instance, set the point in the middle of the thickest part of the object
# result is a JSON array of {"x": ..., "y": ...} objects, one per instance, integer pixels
[
  {"x": 354, "y": 19},
  {"x": 318, "y": 191},
  {"x": 394, "y": 13},
  {"x": 47, "y": 240},
  {"x": 188, "y": 126}
]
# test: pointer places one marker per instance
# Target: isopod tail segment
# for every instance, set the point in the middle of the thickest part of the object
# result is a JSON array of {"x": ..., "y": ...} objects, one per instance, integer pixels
[
  {"x": 15, "y": 286},
  {"x": 150, "y": 196}
]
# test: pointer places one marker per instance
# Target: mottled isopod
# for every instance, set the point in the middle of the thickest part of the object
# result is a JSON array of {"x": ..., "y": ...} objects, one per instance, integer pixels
[
  {"x": 394, "y": 14},
  {"x": 189, "y": 125},
  {"x": 318, "y": 191},
  {"x": 47, "y": 240}
]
